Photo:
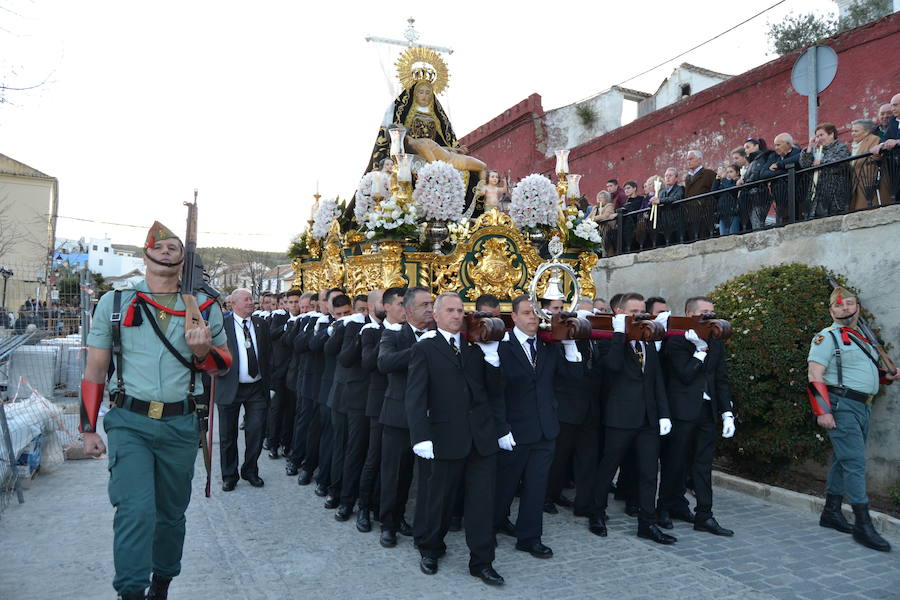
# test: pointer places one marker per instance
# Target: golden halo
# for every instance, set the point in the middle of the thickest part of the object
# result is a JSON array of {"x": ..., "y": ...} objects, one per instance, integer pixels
[{"x": 409, "y": 73}]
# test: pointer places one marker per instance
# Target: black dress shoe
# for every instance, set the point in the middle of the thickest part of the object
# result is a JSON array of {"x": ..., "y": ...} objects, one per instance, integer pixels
[
  {"x": 597, "y": 526},
  {"x": 363, "y": 521},
  {"x": 228, "y": 486},
  {"x": 285, "y": 451},
  {"x": 663, "y": 519},
  {"x": 405, "y": 528},
  {"x": 536, "y": 549},
  {"x": 273, "y": 452},
  {"x": 563, "y": 501},
  {"x": 632, "y": 510},
  {"x": 304, "y": 477},
  {"x": 428, "y": 565},
  {"x": 682, "y": 514},
  {"x": 254, "y": 480},
  {"x": 321, "y": 490},
  {"x": 331, "y": 502},
  {"x": 713, "y": 527},
  {"x": 507, "y": 528},
  {"x": 487, "y": 575},
  {"x": 159, "y": 588},
  {"x": 290, "y": 469},
  {"x": 343, "y": 513},
  {"x": 388, "y": 539},
  {"x": 550, "y": 507},
  {"x": 455, "y": 524},
  {"x": 654, "y": 533}
]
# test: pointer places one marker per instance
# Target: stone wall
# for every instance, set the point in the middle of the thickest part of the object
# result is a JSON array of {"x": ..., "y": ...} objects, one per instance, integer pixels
[{"x": 861, "y": 245}]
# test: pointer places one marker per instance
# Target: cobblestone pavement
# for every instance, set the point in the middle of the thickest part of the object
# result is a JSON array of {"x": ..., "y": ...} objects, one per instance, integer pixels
[{"x": 279, "y": 542}]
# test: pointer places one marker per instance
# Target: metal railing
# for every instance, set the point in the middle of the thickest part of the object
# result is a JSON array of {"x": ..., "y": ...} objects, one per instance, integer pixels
[{"x": 864, "y": 181}]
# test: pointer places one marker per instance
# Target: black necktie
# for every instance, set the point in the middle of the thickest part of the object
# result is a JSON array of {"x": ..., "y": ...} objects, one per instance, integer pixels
[
  {"x": 453, "y": 345},
  {"x": 532, "y": 352},
  {"x": 252, "y": 363},
  {"x": 418, "y": 333}
]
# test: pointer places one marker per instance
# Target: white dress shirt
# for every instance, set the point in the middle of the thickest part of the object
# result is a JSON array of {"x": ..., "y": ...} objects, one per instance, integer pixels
[
  {"x": 447, "y": 335},
  {"x": 243, "y": 373},
  {"x": 523, "y": 338}
]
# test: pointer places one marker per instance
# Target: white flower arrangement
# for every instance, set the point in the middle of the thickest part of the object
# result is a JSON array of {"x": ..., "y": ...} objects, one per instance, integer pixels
[
  {"x": 534, "y": 202},
  {"x": 582, "y": 232},
  {"x": 363, "y": 204},
  {"x": 459, "y": 231},
  {"x": 390, "y": 218},
  {"x": 440, "y": 192},
  {"x": 328, "y": 212}
]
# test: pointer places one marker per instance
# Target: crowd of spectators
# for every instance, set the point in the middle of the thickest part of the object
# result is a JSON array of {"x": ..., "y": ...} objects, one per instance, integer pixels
[
  {"x": 58, "y": 319},
  {"x": 730, "y": 202}
]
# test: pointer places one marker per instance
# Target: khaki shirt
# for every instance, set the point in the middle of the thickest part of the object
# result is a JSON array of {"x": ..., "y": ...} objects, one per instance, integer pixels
[
  {"x": 149, "y": 370},
  {"x": 860, "y": 374}
]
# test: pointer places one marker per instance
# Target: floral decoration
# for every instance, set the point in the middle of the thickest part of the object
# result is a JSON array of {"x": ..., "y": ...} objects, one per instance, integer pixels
[
  {"x": 440, "y": 192},
  {"x": 534, "y": 202},
  {"x": 364, "y": 202},
  {"x": 581, "y": 232},
  {"x": 390, "y": 219},
  {"x": 328, "y": 212}
]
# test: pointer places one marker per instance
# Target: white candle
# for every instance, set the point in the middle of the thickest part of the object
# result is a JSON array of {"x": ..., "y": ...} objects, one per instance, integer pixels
[
  {"x": 404, "y": 169},
  {"x": 397, "y": 136},
  {"x": 562, "y": 161}
]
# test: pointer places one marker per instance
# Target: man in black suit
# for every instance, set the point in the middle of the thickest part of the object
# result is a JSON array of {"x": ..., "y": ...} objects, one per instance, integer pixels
[
  {"x": 386, "y": 312},
  {"x": 348, "y": 403},
  {"x": 309, "y": 385},
  {"x": 282, "y": 405},
  {"x": 247, "y": 385},
  {"x": 453, "y": 391},
  {"x": 338, "y": 306},
  {"x": 636, "y": 412},
  {"x": 396, "y": 450},
  {"x": 529, "y": 423},
  {"x": 578, "y": 402},
  {"x": 298, "y": 365},
  {"x": 698, "y": 393}
]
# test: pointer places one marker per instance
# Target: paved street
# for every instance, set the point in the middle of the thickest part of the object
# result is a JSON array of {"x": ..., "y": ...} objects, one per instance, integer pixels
[{"x": 278, "y": 542}]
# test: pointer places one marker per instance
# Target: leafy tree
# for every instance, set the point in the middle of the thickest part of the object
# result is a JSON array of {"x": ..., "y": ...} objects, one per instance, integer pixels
[
  {"x": 864, "y": 11},
  {"x": 800, "y": 31}
]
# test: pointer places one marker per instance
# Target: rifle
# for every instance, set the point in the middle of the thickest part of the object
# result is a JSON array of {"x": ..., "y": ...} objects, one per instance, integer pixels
[
  {"x": 867, "y": 331},
  {"x": 193, "y": 281}
]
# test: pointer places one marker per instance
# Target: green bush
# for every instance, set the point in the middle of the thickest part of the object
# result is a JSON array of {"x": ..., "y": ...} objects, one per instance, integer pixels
[
  {"x": 774, "y": 312},
  {"x": 894, "y": 493}
]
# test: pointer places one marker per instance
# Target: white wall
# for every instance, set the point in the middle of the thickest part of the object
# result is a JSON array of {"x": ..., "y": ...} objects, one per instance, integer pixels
[{"x": 104, "y": 260}]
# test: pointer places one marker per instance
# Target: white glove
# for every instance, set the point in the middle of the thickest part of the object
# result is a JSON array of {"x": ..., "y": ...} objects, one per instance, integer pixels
[
  {"x": 701, "y": 345},
  {"x": 256, "y": 313},
  {"x": 505, "y": 336},
  {"x": 491, "y": 355},
  {"x": 346, "y": 319},
  {"x": 293, "y": 318},
  {"x": 279, "y": 311},
  {"x": 663, "y": 318},
  {"x": 271, "y": 394},
  {"x": 357, "y": 318},
  {"x": 619, "y": 324},
  {"x": 427, "y": 335},
  {"x": 314, "y": 314},
  {"x": 547, "y": 313},
  {"x": 393, "y": 326},
  {"x": 323, "y": 320},
  {"x": 507, "y": 442},
  {"x": 424, "y": 449},
  {"x": 368, "y": 326},
  {"x": 727, "y": 424},
  {"x": 584, "y": 313},
  {"x": 265, "y": 314},
  {"x": 571, "y": 350},
  {"x": 665, "y": 426}
]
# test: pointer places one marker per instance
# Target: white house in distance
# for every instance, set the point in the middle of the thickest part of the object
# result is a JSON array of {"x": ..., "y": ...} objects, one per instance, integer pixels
[
  {"x": 113, "y": 260},
  {"x": 686, "y": 80}
]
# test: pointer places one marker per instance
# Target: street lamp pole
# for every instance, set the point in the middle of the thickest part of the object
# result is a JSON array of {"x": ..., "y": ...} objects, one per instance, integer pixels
[{"x": 6, "y": 273}]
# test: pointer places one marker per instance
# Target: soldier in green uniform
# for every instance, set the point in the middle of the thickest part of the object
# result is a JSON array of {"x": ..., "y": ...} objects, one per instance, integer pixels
[
  {"x": 152, "y": 427},
  {"x": 843, "y": 378}
]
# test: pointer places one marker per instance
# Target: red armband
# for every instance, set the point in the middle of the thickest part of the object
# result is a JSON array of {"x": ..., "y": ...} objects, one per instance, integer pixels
[
  {"x": 818, "y": 397},
  {"x": 91, "y": 399},
  {"x": 217, "y": 362}
]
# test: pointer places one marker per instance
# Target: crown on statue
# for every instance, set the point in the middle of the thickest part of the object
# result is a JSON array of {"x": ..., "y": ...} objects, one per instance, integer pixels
[
  {"x": 422, "y": 71},
  {"x": 418, "y": 64}
]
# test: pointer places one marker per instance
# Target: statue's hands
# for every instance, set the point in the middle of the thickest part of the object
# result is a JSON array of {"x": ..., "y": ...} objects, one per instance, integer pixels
[{"x": 462, "y": 149}]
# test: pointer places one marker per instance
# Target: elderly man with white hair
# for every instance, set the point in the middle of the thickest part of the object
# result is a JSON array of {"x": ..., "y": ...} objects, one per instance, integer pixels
[{"x": 699, "y": 179}]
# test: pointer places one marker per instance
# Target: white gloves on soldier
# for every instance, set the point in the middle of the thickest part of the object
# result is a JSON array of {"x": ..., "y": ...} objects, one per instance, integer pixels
[
  {"x": 507, "y": 442},
  {"x": 424, "y": 450},
  {"x": 279, "y": 311},
  {"x": 663, "y": 318},
  {"x": 354, "y": 318},
  {"x": 584, "y": 313},
  {"x": 727, "y": 424},
  {"x": 665, "y": 426},
  {"x": 570, "y": 348},
  {"x": 618, "y": 324},
  {"x": 427, "y": 335}
]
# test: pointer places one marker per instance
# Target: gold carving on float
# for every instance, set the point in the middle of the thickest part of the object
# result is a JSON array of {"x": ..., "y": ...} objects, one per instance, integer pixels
[
  {"x": 586, "y": 263},
  {"x": 496, "y": 269}
]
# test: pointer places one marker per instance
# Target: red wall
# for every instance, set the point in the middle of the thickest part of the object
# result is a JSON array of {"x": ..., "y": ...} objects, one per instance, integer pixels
[{"x": 758, "y": 103}]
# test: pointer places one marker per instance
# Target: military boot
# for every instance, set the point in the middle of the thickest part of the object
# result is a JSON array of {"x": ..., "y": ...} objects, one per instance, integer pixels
[
  {"x": 832, "y": 516},
  {"x": 864, "y": 532},
  {"x": 159, "y": 588},
  {"x": 132, "y": 596}
]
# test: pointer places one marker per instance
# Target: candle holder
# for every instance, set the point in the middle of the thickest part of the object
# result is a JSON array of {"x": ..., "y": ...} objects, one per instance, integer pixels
[
  {"x": 398, "y": 140},
  {"x": 573, "y": 192},
  {"x": 562, "y": 162}
]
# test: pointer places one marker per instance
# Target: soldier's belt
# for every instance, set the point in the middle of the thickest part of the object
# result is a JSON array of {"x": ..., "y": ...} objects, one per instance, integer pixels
[
  {"x": 155, "y": 410},
  {"x": 850, "y": 394}
]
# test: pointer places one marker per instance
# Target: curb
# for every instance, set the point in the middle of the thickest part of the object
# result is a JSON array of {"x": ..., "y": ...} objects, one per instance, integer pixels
[{"x": 883, "y": 523}]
